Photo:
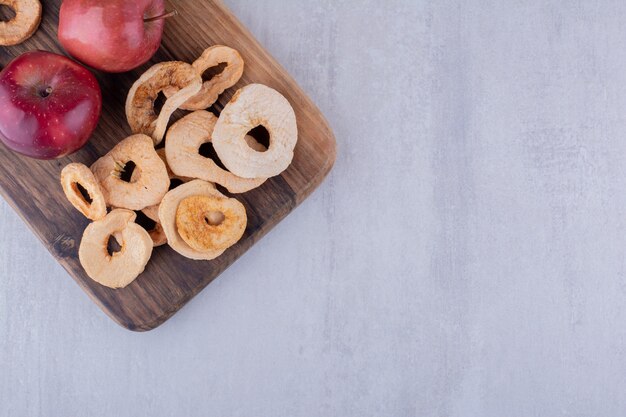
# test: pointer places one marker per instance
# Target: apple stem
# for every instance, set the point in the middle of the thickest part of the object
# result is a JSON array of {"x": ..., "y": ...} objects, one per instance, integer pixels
[
  {"x": 162, "y": 16},
  {"x": 43, "y": 93}
]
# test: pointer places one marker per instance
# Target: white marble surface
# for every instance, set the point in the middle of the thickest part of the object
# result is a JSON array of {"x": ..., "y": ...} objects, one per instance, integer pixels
[{"x": 465, "y": 257}]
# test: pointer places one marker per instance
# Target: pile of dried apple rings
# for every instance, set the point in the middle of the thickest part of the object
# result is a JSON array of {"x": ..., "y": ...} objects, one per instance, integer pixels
[{"x": 175, "y": 186}]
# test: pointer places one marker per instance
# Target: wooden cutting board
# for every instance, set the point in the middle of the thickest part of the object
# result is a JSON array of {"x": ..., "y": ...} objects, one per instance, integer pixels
[{"x": 169, "y": 281}]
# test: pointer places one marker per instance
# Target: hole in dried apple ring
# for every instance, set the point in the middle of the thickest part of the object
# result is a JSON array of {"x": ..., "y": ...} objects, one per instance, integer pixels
[
  {"x": 214, "y": 218},
  {"x": 261, "y": 136},
  {"x": 83, "y": 192},
  {"x": 113, "y": 246},
  {"x": 213, "y": 71},
  {"x": 159, "y": 102},
  {"x": 7, "y": 13},
  {"x": 130, "y": 173}
]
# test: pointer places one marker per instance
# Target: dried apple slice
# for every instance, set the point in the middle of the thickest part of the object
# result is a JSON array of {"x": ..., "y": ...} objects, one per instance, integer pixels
[
  {"x": 119, "y": 269},
  {"x": 142, "y": 95},
  {"x": 149, "y": 181},
  {"x": 209, "y": 223},
  {"x": 252, "y": 106},
  {"x": 168, "y": 212},
  {"x": 77, "y": 175},
  {"x": 23, "y": 25}
]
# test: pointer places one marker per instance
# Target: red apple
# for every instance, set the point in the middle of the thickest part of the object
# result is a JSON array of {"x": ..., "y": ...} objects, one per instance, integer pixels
[
  {"x": 111, "y": 35},
  {"x": 49, "y": 105}
]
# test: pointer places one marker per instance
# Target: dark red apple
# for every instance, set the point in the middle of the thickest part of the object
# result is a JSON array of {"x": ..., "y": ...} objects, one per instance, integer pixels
[
  {"x": 111, "y": 35},
  {"x": 49, "y": 105}
]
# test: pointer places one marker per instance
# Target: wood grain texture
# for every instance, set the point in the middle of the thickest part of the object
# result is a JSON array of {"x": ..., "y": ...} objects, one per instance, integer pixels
[{"x": 170, "y": 281}]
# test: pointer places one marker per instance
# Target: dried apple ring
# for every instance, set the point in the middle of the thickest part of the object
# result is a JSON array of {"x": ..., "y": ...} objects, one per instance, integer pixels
[
  {"x": 23, "y": 25},
  {"x": 169, "y": 209},
  {"x": 212, "y": 88},
  {"x": 142, "y": 95},
  {"x": 121, "y": 268},
  {"x": 92, "y": 205},
  {"x": 252, "y": 106},
  {"x": 182, "y": 148},
  {"x": 209, "y": 223},
  {"x": 149, "y": 181}
]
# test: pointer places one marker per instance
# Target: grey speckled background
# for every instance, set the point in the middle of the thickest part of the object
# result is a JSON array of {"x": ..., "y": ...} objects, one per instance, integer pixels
[{"x": 465, "y": 257}]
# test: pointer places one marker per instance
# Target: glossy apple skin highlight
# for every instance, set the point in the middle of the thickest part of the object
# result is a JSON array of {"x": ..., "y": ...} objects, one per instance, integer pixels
[
  {"x": 49, "y": 105},
  {"x": 111, "y": 35}
]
